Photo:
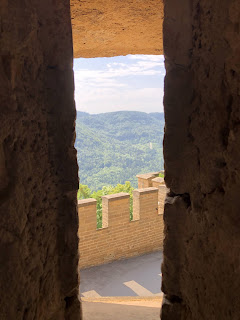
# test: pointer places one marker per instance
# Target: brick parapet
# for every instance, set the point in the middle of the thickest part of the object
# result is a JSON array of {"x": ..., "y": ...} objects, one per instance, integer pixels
[
  {"x": 145, "y": 180},
  {"x": 116, "y": 196},
  {"x": 157, "y": 181},
  {"x": 120, "y": 238},
  {"x": 86, "y": 202}
]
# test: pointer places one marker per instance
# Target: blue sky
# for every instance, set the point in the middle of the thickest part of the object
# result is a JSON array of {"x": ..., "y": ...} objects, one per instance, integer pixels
[{"x": 133, "y": 82}]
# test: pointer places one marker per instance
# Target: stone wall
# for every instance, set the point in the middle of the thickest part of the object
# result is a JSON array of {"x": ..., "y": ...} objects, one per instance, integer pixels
[
  {"x": 202, "y": 160},
  {"x": 38, "y": 168},
  {"x": 120, "y": 238},
  {"x": 106, "y": 28}
]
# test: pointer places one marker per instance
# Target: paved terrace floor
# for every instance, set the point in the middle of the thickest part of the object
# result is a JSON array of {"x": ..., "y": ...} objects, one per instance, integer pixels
[
  {"x": 122, "y": 310},
  {"x": 139, "y": 276}
]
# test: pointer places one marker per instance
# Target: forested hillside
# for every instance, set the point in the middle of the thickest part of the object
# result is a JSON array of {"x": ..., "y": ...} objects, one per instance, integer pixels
[{"x": 114, "y": 147}]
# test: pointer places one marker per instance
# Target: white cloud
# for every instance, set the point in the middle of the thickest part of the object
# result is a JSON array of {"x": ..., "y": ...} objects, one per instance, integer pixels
[
  {"x": 109, "y": 99},
  {"x": 109, "y": 89},
  {"x": 144, "y": 67},
  {"x": 137, "y": 69},
  {"x": 147, "y": 57}
]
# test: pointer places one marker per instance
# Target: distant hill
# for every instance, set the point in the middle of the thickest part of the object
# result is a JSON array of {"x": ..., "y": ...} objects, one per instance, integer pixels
[{"x": 114, "y": 147}]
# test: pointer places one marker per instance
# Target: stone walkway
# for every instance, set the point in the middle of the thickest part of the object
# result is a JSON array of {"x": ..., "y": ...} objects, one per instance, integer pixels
[
  {"x": 122, "y": 309},
  {"x": 139, "y": 276}
]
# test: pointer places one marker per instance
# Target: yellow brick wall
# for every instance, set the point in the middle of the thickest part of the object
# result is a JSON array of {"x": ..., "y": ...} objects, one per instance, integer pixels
[
  {"x": 145, "y": 180},
  {"x": 144, "y": 183},
  {"x": 120, "y": 238}
]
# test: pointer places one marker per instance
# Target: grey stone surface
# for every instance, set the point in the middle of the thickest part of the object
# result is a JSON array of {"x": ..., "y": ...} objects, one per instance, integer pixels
[{"x": 109, "y": 279}]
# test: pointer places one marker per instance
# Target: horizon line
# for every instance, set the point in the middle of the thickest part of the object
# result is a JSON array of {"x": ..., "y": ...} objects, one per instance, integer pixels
[{"x": 117, "y": 111}]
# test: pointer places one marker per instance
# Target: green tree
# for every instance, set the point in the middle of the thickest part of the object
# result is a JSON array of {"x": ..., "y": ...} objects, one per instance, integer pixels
[
  {"x": 114, "y": 147},
  {"x": 84, "y": 192}
]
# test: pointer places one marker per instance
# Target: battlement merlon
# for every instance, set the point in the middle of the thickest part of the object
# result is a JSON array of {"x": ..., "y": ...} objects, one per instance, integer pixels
[
  {"x": 143, "y": 191},
  {"x": 116, "y": 196},
  {"x": 158, "y": 181},
  {"x": 86, "y": 202},
  {"x": 145, "y": 202},
  {"x": 145, "y": 180},
  {"x": 87, "y": 209},
  {"x": 115, "y": 209}
]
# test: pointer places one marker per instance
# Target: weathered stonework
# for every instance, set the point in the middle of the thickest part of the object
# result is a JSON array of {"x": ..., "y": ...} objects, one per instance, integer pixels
[
  {"x": 106, "y": 28},
  {"x": 202, "y": 160},
  {"x": 38, "y": 167}
]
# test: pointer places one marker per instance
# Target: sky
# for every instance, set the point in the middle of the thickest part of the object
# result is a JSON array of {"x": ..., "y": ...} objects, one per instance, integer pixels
[{"x": 129, "y": 83}]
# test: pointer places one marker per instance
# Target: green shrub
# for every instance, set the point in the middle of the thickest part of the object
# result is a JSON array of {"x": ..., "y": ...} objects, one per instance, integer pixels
[{"x": 84, "y": 192}]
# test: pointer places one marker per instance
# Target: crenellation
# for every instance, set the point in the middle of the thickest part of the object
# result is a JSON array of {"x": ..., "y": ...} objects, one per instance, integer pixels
[
  {"x": 150, "y": 190},
  {"x": 111, "y": 211},
  {"x": 145, "y": 180},
  {"x": 119, "y": 237},
  {"x": 88, "y": 209},
  {"x": 116, "y": 196},
  {"x": 86, "y": 202}
]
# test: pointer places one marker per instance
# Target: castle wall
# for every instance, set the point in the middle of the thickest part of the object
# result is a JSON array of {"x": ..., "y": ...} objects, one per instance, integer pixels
[
  {"x": 202, "y": 160},
  {"x": 38, "y": 167},
  {"x": 120, "y": 238}
]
